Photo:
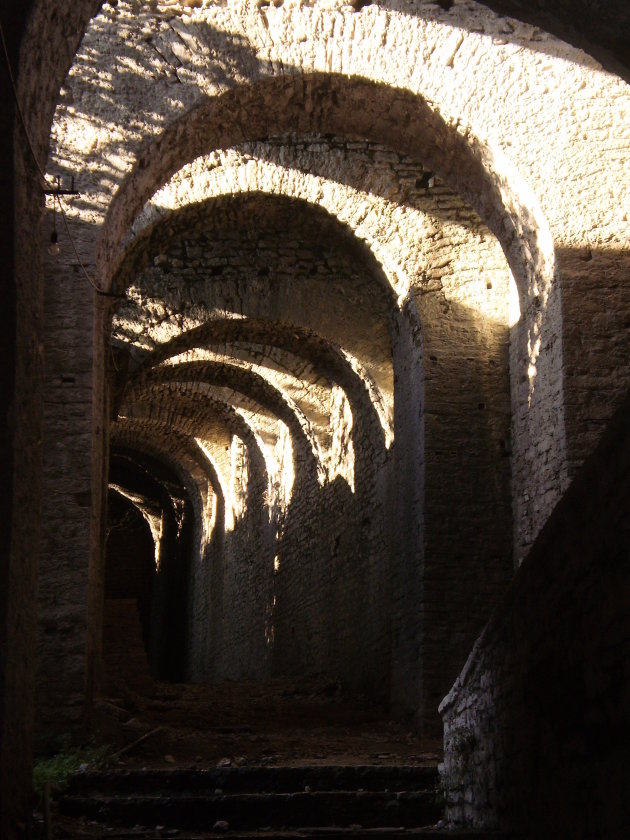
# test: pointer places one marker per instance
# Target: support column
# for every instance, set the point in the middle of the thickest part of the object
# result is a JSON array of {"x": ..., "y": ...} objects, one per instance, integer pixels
[{"x": 70, "y": 588}]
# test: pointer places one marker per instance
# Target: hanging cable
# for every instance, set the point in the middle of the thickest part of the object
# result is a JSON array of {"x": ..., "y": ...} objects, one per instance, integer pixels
[
  {"x": 79, "y": 260},
  {"x": 13, "y": 87}
]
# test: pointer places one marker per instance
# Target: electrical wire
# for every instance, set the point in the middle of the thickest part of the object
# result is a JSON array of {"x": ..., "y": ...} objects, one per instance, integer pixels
[
  {"x": 45, "y": 186},
  {"x": 19, "y": 108},
  {"x": 98, "y": 291}
]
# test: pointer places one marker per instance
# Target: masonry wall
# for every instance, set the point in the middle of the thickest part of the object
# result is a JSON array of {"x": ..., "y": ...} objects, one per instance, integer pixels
[
  {"x": 596, "y": 305},
  {"x": 251, "y": 619},
  {"x": 507, "y": 133},
  {"x": 461, "y": 298},
  {"x": 218, "y": 75},
  {"x": 20, "y": 454},
  {"x": 492, "y": 44},
  {"x": 238, "y": 565},
  {"x": 536, "y": 726}
]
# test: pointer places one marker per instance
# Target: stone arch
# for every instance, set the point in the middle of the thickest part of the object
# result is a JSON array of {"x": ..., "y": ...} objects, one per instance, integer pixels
[
  {"x": 331, "y": 104},
  {"x": 178, "y": 452},
  {"x": 301, "y": 343},
  {"x": 186, "y": 428},
  {"x": 40, "y": 87},
  {"x": 196, "y": 472},
  {"x": 167, "y": 509},
  {"x": 372, "y": 536},
  {"x": 533, "y": 346},
  {"x": 251, "y": 385},
  {"x": 361, "y": 109},
  {"x": 358, "y": 272}
]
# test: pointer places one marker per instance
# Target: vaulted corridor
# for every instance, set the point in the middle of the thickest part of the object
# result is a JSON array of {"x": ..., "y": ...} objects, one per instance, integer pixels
[{"x": 317, "y": 341}]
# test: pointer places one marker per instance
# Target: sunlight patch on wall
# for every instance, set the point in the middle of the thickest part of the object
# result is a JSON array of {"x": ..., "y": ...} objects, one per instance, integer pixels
[
  {"x": 153, "y": 521},
  {"x": 206, "y": 447},
  {"x": 239, "y": 478},
  {"x": 280, "y": 472},
  {"x": 340, "y": 460},
  {"x": 382, "y": 401},
  {"x": 514, "y": 304}
]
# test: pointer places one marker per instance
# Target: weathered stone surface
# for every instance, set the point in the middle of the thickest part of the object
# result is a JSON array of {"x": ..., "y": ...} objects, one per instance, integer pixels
[
  {"x": 448, "y": 143},
  {"x": 542, "y": 703}
]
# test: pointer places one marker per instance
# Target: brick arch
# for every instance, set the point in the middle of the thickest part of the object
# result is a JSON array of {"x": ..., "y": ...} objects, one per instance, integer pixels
[
  {"x": 299, "y": 345},
  {"x": 191, "y": 376},
  {"x": 148, "y": 413},
  {"x": 176, "y": 450},
  {"x": 363, "y": 110},
  {"x": 355, "y": 109},
  {"x": 535, "y": 432},
  {"x": 216, "y": 213},
  {"x": 388, "y": 200}
]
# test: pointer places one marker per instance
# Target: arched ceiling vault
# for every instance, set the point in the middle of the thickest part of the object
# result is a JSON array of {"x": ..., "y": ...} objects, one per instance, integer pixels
[
  {"x": 389, "y": 116},
  {"x": 154, "y": 89},
  {"x": 242, "y": 255},
  {"x": 153, "y": 489},
  {"x": 404, "y": 214},
  {"x": 175, "y": 449},
  {"x": 192, "y": 383},
  {"x": 134, "y": 474},
  {"x": 283, "y": 271},
  {"x": 309, "y": 357}
]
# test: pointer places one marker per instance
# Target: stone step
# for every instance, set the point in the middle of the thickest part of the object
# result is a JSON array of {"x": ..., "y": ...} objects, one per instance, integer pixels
[
  {"x": 242, "y": 811},
  {"x": 230, "y": 780},
  {"x": 138, "y": 833},
  {"x": 248, "y": 803}
]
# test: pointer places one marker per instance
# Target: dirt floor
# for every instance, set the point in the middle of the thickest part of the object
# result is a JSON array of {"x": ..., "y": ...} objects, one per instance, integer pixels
[{"x": 280, "y": 722}]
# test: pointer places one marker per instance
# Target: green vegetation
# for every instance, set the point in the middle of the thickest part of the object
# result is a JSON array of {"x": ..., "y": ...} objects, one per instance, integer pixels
[{"x": 62, "y": 759}]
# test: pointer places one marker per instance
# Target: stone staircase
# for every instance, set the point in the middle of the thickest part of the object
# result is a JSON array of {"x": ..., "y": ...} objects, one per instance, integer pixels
[{"x": 255, "y": 802}]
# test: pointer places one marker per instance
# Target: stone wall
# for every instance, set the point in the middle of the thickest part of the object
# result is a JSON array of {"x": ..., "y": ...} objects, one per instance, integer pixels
[
  {"x": 279, "y": 572},
  {"x": 367, "y": 107},
  {"x": 534, "y": 110},
  {"x": 245, "y": 266},
  {"x": 536, "y": 726},
  {"x": 171, "y": 49}
]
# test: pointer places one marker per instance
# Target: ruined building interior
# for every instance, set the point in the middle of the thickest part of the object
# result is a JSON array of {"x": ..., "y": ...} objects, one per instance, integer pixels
[{"x": 315, "y": 347}]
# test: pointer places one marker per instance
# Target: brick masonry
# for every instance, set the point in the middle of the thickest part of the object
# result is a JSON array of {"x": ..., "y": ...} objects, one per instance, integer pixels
[
  {"x": 535, "y": 727},
  {"x": 370, "y": 104}
]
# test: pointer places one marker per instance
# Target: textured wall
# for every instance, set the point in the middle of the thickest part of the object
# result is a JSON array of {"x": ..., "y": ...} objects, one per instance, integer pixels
[
  {"x": 536, "y": 726},
  {"x": 533, "y": 110},
  {"x": 154, "y": 89},
  {"x": 175, "y": 49},
  {"x": 280, "y": 576},
  {"x": 39, "y": 71},
  {"x": 244, "y": 264}
]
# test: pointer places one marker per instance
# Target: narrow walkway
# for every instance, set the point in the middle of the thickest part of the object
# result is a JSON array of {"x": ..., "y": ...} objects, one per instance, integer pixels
[{"x": 282, "y": 722}]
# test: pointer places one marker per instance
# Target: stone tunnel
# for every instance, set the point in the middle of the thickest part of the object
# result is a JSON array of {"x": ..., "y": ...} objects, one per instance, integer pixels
[{"x": 325, "y": 305}]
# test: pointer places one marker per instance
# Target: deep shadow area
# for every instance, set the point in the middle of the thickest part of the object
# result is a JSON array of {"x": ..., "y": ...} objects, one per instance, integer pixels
[
  {"x": 129, "y": 562},
  {"x": 151, "y": 570},
  {"x": 282, "y": 721},
  {"x": 556, "y": 720}
]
